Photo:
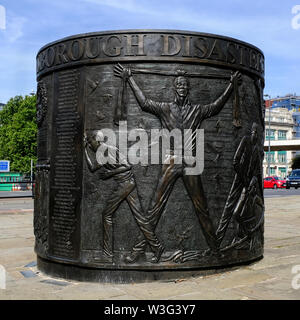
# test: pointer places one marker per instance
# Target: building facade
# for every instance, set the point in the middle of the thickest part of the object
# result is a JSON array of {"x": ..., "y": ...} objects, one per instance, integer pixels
[
  {"x": 296, "y": 117},
  {"x": 282, "y": 127},
  {"x": 289, "y": 101}
]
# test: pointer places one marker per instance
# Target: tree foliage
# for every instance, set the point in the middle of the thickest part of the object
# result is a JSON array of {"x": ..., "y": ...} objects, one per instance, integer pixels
[
  {"x": 18, "y": 132},
  {"x": 296, "y": 162}
]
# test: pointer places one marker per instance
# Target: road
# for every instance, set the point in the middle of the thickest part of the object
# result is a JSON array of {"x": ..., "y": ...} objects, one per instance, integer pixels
[
  {"x": 10, "y": 204},
  {"x": 270, "y": 193},
  {"x": 18, "y": 205},
  {"x": 7, "y": 194}
]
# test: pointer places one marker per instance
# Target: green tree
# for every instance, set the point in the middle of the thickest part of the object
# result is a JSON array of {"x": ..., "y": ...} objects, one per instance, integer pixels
[
  {"x": 296, "y": 162},
  {"x": 18, "y": 132}
]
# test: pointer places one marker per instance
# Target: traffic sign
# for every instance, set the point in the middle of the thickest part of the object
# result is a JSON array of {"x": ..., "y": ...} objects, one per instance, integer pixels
[{"x": 4, "y": 165}]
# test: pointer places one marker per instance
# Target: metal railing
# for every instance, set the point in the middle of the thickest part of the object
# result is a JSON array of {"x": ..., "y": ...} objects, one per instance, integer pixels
[{"x": 17, "y": 188}]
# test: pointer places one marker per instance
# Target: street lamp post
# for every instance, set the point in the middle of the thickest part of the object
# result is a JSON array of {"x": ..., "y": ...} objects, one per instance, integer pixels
[{"x": 269, "y": 136}]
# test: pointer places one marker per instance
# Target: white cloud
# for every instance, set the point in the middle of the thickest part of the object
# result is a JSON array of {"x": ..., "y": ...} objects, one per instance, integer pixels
[
  {"x": 14, "y": 29},
  {"x": 2, "y": 18}
]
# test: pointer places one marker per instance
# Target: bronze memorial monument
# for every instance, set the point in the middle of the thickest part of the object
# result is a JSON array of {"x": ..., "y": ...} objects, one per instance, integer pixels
[{"x": 150, "y": 150}]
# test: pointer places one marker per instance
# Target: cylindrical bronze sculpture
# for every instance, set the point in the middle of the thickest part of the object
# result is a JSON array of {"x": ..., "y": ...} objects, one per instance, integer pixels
[{"x": 112, "y": 202}]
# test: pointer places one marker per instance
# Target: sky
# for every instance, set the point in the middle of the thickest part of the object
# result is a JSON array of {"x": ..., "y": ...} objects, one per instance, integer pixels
[{"x": 27, "y": 25}]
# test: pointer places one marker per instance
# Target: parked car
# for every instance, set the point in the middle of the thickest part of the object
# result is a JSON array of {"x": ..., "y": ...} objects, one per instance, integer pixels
[
  {"x": 274, "y": 182},
  {"x": 293, "y": 180}
]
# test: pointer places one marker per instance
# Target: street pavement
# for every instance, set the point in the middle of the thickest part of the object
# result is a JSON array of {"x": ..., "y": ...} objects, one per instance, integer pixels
[
  {"x": 270, "y": 278},
  {"x": 271, "y": 193},
  {"x": 13, "y": 194},
  {"x": 16, "y": 205}
]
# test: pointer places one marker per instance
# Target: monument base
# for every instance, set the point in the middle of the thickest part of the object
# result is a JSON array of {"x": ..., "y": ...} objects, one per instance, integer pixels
[{"x": 74, "y": 272}]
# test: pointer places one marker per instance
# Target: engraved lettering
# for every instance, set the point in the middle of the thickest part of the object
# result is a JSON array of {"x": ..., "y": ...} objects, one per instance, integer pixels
[
  {"x": 63, "y": 219},
  {"x": 244, "y": 56},
  {"x": 253, "y": 60},
  {"x": 216, "y": 51},
  {"x": 184, "y": 47},
  {"x": 139, "y": 44},
  {"x": 171, "y": 45},
  {"x": 232, "y": 53},
  {"x": 92, "y": 47},
  {"x": 76, "y": 50},
  {"x": 187, "y": 46},
  {"x": 201, "y": 47},
  {"x": 61, "y": 56},
  {"x": 261, "y": 64},
  {"x": 41, "y": 60},
  {"x": 110, "y": 50},
  {"x": 50, "y": 57}
]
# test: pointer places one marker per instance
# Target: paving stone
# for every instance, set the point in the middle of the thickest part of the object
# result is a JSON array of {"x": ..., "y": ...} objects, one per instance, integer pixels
[
  {"x": 56, "y": 283},
  {"x": 28, "y": 274},
  {"x": 269, "y": 278},
  {"x": 31, "y": 264}
]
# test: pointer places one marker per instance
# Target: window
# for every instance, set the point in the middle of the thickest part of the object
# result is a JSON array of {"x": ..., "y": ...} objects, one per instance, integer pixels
[
  {"x": 270, "y": 133},
  {"x": 282, "y": 156},
  {"x": 295, "y": 173},
  {"x": 282, "y": 134},
  {"x": 272, "y": 171},
  {"x": 270, "y": 157},
  {"x": 282, "y": 172}
]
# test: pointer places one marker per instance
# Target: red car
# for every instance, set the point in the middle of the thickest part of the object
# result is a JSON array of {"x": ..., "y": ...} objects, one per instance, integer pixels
[{"x": 274, "y": 182}]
